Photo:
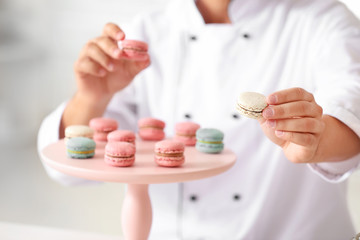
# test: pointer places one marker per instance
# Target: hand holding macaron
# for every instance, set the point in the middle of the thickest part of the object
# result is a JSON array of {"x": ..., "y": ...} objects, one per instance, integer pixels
[
  {"x": 104, "y": 67},
  {"x": 294, "y": 121}
]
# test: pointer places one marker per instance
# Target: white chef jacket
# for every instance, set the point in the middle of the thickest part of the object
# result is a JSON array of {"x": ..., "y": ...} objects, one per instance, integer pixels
[{"x": 196, "y": 74}]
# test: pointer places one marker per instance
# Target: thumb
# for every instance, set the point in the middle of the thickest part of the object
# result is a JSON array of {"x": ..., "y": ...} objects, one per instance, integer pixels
[{"x": 141, "y": 65}]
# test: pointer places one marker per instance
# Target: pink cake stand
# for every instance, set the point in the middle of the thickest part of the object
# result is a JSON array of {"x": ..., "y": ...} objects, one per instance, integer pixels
[{"x": 136, "y": 209}]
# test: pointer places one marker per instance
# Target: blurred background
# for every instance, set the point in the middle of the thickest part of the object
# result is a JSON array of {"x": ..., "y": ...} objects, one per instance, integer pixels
[{"x": 39, "y": 42}]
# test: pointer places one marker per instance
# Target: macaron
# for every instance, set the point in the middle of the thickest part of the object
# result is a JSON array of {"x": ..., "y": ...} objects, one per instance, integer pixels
[
  {"x": 209, "y": 140},
  {"x": 102, "y": 127},
  {"x": 169, "y": 153},
  {"x": 80, "y": 147},
  {"x": 186, "y": 133},
  {"x": 134, "y": 49},
  {"x": 251, "y": 104},
  {"x": 151, "y": 129},
  {"x": 78, "y": 131},
  {"x": 119, "y": 154},
  {"x": 122, "y": 136}
]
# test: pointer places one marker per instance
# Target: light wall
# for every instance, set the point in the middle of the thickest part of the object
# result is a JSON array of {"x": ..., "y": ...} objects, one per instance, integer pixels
[{"x": 39, "y": 42}]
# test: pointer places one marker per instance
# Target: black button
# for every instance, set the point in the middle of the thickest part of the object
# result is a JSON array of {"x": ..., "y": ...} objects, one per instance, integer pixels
[
  {"x": 193, "y": 198},
  {"x": 246, "y": 35},
  {"x": 236, "y": 116},
  {"x": 187, "y": 115},
  {"x": 236, "y": 197},
  {"x": 193, "y": 38}
]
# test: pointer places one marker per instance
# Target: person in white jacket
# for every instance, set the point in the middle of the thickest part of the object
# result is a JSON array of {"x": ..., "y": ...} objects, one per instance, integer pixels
[{"x": 289, "y": 178}]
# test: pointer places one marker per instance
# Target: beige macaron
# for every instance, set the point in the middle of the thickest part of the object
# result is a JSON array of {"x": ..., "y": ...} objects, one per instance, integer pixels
[
  {"x": 78, "y": 131},
  {"x": 251, "y": 104}
]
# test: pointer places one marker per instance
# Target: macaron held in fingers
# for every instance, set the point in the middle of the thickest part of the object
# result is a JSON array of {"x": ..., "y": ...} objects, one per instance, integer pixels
[
  {"x": 134, "y": 49},
  {"x": 251, "y": 104}
]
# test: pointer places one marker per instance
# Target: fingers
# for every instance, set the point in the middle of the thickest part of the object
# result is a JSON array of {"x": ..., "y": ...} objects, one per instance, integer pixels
[
  {"x": 113, "y": 31},
  {"x": 289, "y": 95},
  {"x": 294, "y": 116},
  {"x": 98, "y": 55},
  {"x": 103, "y": 55},
  {"x": 87, "y": 66},
  {"x": 303, "y": 139},
  {"x": 293, "y": 110},
  {"x": 108, "y": 46},
  {"x": 301, "y": 125}
]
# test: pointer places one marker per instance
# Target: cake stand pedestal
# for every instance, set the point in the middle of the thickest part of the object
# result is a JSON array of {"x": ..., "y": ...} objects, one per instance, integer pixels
[{"x": 136, "y": 209}]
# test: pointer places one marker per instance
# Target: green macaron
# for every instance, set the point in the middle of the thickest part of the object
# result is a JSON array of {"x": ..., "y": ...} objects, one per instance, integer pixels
[
  {"x": 209, "y": 140},
  {"x": 80, "y": 147}
]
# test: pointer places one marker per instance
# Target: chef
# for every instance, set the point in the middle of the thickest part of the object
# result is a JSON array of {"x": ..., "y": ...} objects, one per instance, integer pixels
[{"x": 289, "y": 178}]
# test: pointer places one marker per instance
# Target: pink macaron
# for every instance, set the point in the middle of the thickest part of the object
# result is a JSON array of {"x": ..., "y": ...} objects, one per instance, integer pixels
[
  {"x": 186, "y": 132},
  {"x": 119, "y": 154},
  {"x": 151, "y": 129},
  {"x": 134, "y": 49},
  {"x": 169, "y": 153},
  {"x": 122, "y": 136},
  {"x": 102, "y": 127}
]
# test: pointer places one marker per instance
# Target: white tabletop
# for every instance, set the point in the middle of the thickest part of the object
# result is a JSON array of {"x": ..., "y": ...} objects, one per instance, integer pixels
[{"x": 16, "y": 231}]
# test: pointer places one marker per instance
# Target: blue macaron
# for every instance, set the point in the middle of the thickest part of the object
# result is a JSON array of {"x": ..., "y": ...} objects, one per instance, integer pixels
[
  {"x": 80, "y": 147},
  {"x": 209, "y": 140}
]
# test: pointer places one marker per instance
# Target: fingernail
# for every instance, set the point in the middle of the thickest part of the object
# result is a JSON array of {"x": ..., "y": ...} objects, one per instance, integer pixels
[
  {"x": 119, "y": 36},
  {"x": 116, "y": 52},
  {"x": 268, "y": 112},
  {"x": 272, "y": 99},
  {"x": 110, "y": 67},
  {"x": 271, "y": 123},
  {"x": 279, "y": 133}
]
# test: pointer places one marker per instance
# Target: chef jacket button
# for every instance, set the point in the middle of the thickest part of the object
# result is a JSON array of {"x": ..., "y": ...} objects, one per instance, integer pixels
[
  {"x": 236, "y": 116},
  {"x": 193, "y": 198},
  {"x": 187, "y": 115},
  {"x": 236, "y": 197},
  {"x": 246, "y": 36},
  {"x": 193, "y": 38}
]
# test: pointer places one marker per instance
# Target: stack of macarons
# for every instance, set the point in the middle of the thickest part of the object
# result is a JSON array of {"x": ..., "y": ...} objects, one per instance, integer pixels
[
  {"x": 119, "y": 154},
  {"x": 151, "y": 129},
  {"x": 80, "y": 147},
  {"x": 185, "y": 132},
  {"x": 102, "y": 127},
  {"x": 78, "y": 131},
  {"x": 169, "y": 153},
  {"x": 79, "y": 142},
  {"x": 122, "y": 136},
  {"x": 120, "y": 147}
]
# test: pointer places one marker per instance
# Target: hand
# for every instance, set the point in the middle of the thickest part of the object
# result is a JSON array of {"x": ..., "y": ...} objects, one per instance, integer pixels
[
  {"x": 294, "y": 121},
  {"x": 102, "y": 69}
]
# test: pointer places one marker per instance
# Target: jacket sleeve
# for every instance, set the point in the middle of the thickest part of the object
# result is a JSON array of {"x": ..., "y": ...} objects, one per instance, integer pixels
[
  {"x": 337, "y": 77},
  {"x": 122, "y": 108},
  {"x": 49, "y": 133}
]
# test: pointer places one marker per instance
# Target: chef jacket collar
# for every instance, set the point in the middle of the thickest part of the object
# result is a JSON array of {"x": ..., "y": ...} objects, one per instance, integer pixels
[{"x": 239, "y": 10}]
